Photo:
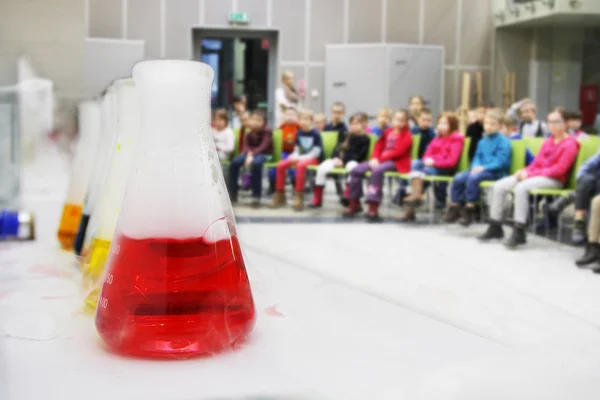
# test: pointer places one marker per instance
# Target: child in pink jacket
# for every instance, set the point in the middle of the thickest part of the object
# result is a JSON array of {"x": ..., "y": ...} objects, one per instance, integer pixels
[
  {"x": 440, "y": 159},
  {"x": 549, "y": 170}
]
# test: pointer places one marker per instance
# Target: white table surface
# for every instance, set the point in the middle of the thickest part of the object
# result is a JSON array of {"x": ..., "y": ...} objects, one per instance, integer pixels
[{"x": 338, "y": 333}]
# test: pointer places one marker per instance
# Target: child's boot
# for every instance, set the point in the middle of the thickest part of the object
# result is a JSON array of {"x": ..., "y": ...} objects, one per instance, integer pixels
[
  {"x": 591, "y": 255},
  {"x": 353, "y": 209},
  {"x": 278, "y": 200},
  {"x": 345, "y": 201},
  {"x": 578, "y": 237},
  {"x": 298, "y": 202},
  {"x": 416, "y": 195},
  {"x": 317, "y": 201},
  {"x": 518, "y": 237},
  {"x": 467, "y": 216},
  {"x": 409, "y": 214},
  {"x": 453, "y": 214},
  {"x": 255, "y": 202},
  {"x": 494, "y": 231},
  {"x": 373, "y": 213}
]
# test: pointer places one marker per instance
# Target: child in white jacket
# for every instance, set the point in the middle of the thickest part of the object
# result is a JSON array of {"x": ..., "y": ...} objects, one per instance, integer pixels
[{"x": 224, "y": 137}]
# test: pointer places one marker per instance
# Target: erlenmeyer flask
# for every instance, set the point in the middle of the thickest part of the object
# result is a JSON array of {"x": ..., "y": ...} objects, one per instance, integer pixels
[
  {"x": 105, "y": 218},
  {"x": 102, "y": 161},
  {"x": 83, "y": 164},
  {"x": 175, "y": 283}
]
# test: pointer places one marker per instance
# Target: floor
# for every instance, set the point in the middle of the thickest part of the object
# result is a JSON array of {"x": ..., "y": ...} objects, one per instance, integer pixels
[{"x": 346, "y": 311}]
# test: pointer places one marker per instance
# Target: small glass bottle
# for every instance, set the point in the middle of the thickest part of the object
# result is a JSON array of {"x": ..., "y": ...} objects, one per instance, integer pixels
[
  {"x": 128, "y": 128},
  {"x": 175, "y": 284},
  {"x": 106, "y": 145},
  {"x": 83, "y": 164}
]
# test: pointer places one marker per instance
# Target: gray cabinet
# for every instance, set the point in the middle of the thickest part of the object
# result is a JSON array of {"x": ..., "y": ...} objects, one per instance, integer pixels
[{"x": 367, "y": 77}]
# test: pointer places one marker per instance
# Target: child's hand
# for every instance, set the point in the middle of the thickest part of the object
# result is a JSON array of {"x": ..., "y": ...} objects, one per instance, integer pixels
[
  {"x": 338, "y": 163},
  {"x": 428, "y": 162},
  {"x": 374, "y": 163},
  {"x": 293, "y": 157},
  {"x": 521, "y": 175},
  {"x": 249, "y": 159},
  {"x": 476, "y": 170}
]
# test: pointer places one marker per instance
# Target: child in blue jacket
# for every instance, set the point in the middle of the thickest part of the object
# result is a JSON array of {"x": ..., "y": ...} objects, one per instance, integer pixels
[{"x": 490, "y": 163}]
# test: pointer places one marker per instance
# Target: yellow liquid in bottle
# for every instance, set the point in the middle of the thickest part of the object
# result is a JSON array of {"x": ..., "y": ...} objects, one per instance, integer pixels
[
  {"x": 69, "y": 225},
  {"x": 93, "y": 271}
]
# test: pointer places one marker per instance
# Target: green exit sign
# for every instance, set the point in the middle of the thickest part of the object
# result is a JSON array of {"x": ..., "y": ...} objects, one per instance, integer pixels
[{"x": 239, "y": 18}]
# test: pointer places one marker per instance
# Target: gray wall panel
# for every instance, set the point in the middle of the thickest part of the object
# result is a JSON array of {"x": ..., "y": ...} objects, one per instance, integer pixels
[
  {"x": 290, "y": 16},
  {"x": 364, "y": 21},
  {"x": 216, "y": 12},
  {"x": 327, "y": 26},
  {"x": 403, "y": 21},
  {"x": 105, "y": 18},
  {"x": 181, "y": 16},
  {"x": 451, "y": 94},
  {"x": 143, "y": 22},
  {"x": 257, "y": 10},
  {"x": 440, "y": 26},
  {"x": 476, "y": 29},
  {"x": 316, "y": 77}
]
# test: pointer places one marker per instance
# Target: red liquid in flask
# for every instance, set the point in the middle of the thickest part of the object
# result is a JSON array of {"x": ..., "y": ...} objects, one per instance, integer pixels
[{"x": 167, "y": 298}]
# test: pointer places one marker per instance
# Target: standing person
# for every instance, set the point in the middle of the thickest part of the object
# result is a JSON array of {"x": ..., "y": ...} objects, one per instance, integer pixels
[
  {"x": 491, "y": 162},
  {"x": 354, "y": 150},
  {"x": 308, "y": 151},
  {"x": 286, "y": 96},
  {"x": 223, "y": 135},
  {"x": 549, "y": 170},
  {"x": 415, "y": 105},
  {"x": 258, "y": 148},
  {"x": 525, "y": 111},
  {"x": 239, "y": 109},
  {"x": 475, "y": 131},
  {"x": 440, "y": 158},
  {"x": 391, "y": 153}
]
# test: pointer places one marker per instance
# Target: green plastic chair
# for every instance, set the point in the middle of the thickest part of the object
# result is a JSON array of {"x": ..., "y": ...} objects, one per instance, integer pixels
[
  {"x": 517, "y": 160},
  {"x": 534, "y": 144},
  {"x": 277, "y": 149},
  {"x": 329, "y": 140}
]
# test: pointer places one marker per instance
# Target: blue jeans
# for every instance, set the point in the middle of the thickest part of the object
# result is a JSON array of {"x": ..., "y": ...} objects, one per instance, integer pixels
[
  {"x": 440, "y": 189},
  {"x": 465, "y": 187},
  {"x": 255, "y": 170}
]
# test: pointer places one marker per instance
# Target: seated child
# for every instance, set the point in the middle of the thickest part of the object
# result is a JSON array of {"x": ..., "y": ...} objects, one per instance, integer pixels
[
  {"x": 384, "y": 118},
  {"x": 588, "y": 186},
  {"x": 591, "y": 257},
  {"x": 224, "y": 137},
  {"x": 509, "y": 129},
  {"x": 391, "y": 153},
  {"x": 308, "y": 151},
  {"x": 549, "y": 170},
  {"x": 525, "y": 111},
  {"x": 574, "y": 122},
  {"x": 491, "y": 162},
  {"x": 424, "y": 129},
  {"x": 320, "y": 122},
  {"x": 440, "y": 158},
  {"x": 352, "y": 151},
  {"x": 415, "y": 105},
  {"x": 289, "y": 129},
  {"x": 257, "y": 149},
  {"x": 337, "y": 124}
]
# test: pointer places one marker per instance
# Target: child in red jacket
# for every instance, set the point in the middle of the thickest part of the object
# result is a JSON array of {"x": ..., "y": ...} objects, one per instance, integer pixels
[
  {"x": 549, "y": 170},
  {"x": 391, "y": 153},
  {"x": 440, "y": 158}
]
